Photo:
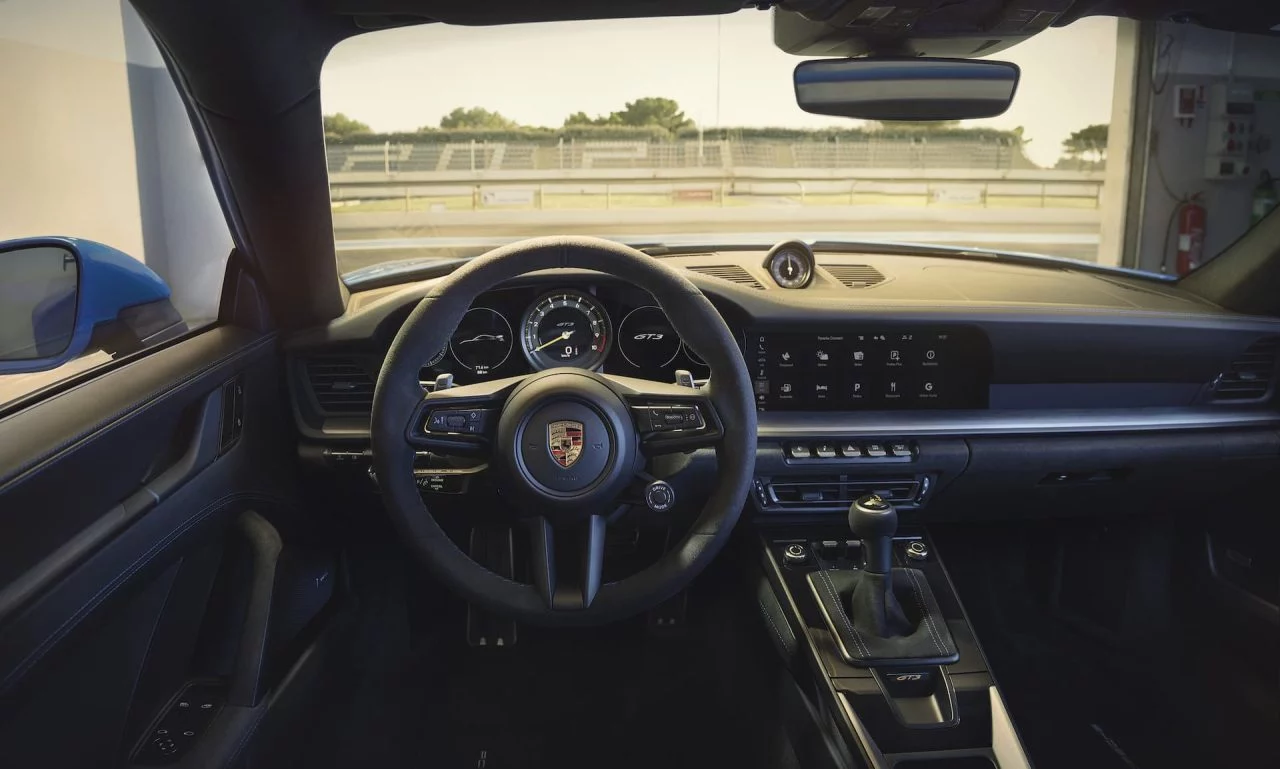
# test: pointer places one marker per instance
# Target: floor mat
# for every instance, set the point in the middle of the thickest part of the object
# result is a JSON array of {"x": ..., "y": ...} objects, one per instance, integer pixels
[
  {"x": 1079, "y": 701},
  {"x": 614, "y": 696}
]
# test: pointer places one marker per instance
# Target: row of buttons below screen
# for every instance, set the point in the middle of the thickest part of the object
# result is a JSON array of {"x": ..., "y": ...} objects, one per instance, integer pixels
[{"x": 848, "y": 450}]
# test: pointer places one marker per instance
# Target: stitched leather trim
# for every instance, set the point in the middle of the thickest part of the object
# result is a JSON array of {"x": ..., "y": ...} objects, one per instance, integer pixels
[
  {"x": 54, "y": 638},
  {"x": 121, "y": 415}
]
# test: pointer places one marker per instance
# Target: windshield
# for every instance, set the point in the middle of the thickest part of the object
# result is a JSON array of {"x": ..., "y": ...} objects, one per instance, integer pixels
[{"x": 446, "y": 141}]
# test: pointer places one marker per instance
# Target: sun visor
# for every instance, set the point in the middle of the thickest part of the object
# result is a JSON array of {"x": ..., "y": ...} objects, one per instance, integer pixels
[{"x": 941, "y": 28}]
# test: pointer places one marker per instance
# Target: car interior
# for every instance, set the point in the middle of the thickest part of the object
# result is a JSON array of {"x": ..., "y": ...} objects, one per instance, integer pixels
[{"x": 578, "y": 503}]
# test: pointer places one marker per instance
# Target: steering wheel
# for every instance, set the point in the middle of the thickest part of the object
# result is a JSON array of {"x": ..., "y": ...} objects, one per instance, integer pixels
[{"x": 563, "y": 445}]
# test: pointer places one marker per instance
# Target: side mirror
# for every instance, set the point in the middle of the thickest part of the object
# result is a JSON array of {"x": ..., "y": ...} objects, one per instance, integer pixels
[
  {"x": 60, "y": 297},
  {"x": 906, "y": 88}
]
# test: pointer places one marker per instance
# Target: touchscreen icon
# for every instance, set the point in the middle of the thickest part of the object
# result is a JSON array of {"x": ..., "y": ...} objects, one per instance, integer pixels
[
  {"x": 930, "y": 354},
  {"x": 786, "y": 357},
  {"x": 859, "y": 355},
  {"x": 895, "y": 355},
  {"x": 823, "y": 356},
  {"x": 786, "y": 388}
]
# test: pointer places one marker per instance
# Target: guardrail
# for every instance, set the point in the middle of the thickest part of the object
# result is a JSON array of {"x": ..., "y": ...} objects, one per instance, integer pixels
[{"x": 715, "y": 186}]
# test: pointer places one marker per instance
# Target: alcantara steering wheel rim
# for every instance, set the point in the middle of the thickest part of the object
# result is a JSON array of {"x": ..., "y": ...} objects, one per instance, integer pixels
[{"x": 727, "y": 421}]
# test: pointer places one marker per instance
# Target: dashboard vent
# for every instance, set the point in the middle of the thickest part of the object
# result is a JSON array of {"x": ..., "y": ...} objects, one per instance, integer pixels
[
  {"x": 341, "y": 385},
  {"x": 1250, "y": 375},
  {"x": 855, "y": 275},
  {"x": 732, "y": 273}
]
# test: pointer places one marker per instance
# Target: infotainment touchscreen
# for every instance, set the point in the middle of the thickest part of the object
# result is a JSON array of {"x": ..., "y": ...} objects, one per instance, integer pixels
[{"x": 870, "y": 368}]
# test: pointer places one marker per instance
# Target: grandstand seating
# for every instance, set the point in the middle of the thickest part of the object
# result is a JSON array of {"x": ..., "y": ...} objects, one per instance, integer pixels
[{"x": 922, "y": 153}]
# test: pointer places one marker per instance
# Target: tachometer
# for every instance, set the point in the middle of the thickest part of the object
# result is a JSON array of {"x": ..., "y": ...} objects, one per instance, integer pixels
[
  {"x": 482, "y": 340},
  {"x": 565, "y": 328}
]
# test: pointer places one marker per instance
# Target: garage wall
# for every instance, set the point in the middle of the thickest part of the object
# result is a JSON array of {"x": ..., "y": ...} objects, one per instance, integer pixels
[
  {"x": 185, "y": 236},
  {"x": 1197, "y": 56},
  {"x": 66, "y": 137},
  {"x": 95, "y": 143}
]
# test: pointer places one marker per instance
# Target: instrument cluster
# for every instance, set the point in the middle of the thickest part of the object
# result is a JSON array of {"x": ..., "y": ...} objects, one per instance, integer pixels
[{"x": 513, "y": 331}]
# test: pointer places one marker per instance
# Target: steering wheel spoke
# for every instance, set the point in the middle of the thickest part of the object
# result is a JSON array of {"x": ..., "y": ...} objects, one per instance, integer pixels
[
  {"x": 460, "y": 421},
  {"x": 567, "y": 562},
  {"x": 670, "y": 418}
]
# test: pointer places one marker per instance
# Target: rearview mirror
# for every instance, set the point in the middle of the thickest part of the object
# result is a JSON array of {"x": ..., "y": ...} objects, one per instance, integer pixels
[
  {"x": 60, "y": 295},
  {"x": 905, "y": 89}
]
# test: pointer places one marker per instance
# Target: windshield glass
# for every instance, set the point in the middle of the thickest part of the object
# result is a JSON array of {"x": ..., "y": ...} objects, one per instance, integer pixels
[{"x": 446, "y": 141}]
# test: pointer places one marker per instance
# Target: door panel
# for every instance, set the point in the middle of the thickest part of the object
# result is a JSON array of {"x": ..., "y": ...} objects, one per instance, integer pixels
[{"x": 119, "y": 502}]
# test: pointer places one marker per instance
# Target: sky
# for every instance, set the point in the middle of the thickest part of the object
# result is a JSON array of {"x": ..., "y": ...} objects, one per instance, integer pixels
[{"x": 723, "y": 71}]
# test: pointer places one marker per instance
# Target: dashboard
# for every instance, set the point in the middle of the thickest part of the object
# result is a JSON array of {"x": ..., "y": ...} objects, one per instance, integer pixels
[{"x": 955, "y": 387}]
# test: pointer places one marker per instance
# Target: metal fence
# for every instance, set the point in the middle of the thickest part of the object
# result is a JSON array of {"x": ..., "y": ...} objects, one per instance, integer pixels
[{"x": 919, "y": 153}]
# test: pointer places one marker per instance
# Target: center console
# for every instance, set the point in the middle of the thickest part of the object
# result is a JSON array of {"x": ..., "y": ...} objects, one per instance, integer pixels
[
  {"x": 893, "y": 662},
  {"x": 914, "y": 692}
]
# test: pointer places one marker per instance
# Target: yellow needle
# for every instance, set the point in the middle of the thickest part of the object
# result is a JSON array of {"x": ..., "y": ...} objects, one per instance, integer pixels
[{"x": 563, "y": 336}]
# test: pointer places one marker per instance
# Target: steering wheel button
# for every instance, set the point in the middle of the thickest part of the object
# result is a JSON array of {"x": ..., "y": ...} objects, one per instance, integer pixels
[
  {"x": 456, "y": 420},
  {"x": 437, "y": 420},
  {"x": 659, "y": 496}
]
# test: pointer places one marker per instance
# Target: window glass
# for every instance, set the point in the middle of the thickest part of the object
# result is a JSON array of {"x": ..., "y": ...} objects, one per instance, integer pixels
[
  {"x": 95, "y": 144},
  {"x": 678, "y": 129}
]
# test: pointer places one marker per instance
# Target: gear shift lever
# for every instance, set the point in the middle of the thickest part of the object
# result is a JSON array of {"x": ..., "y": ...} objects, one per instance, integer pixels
[
  {"x": 863, "y": 608},
  {"x": 873, "y": 520}
]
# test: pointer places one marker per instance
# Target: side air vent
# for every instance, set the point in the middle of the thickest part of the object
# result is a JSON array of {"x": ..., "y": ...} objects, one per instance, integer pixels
[
  {"x": 1250, "y": 375},
  {"x": 855, "y": 275},
  {"x": 732, "y": 273},
  {"x": 341, "y": 385}
]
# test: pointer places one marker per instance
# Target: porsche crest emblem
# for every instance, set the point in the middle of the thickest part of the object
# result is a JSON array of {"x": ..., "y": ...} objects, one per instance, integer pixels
[{"x": 564, "y": 438}]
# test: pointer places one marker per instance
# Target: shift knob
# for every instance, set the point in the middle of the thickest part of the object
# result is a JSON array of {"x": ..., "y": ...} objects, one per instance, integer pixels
[{"x": 873, "y": 520}]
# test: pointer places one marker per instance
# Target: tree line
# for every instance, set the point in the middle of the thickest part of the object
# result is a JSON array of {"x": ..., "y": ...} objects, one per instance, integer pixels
[
  {"x": 655, "y": 118},
  {"x": 648, "y": 112}
]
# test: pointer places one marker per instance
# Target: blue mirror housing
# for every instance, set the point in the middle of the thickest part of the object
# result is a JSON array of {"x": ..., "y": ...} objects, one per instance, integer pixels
[{"x": 111, "y": 284}]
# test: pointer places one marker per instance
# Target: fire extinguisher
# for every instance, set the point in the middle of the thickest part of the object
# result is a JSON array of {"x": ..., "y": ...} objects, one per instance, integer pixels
[
  {"x": 1265, "y": 197},
  {"x": 1191, "y": 221}
]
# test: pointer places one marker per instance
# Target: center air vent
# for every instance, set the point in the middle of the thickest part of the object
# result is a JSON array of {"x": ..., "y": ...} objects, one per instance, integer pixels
[
  {"x": 730, "y": 272},
  {"x": 341, "y": 385},
  {"x": 855, "y": 275},
  {"x": 1250, "y": 375}
]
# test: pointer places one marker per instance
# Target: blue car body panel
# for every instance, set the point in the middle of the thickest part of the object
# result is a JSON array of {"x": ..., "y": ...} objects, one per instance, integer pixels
[{"x": 109, "y": 281}]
